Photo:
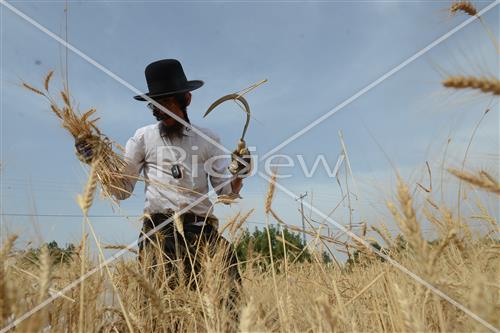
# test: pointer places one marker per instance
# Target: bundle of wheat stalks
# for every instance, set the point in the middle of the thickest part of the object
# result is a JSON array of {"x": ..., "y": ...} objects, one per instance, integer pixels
[{"x": 108, "y": 164}]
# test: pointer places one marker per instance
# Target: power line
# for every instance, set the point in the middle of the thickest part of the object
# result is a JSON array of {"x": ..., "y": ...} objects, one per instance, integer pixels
[
  {"x": 137, "y": 216},
  {"x": 89, "y": 216},
  {"x": 56, "y": 215}
]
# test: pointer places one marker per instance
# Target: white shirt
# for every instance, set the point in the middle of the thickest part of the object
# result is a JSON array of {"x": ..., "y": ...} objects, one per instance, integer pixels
[{"x": 154, "y": 155}]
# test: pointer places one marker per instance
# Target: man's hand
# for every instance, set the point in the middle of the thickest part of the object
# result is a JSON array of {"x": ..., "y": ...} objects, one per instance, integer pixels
[
  {"x": 236, "y": 185},
  {"x": 85, "y": 148},
  {"x": 237, "y": 167}
]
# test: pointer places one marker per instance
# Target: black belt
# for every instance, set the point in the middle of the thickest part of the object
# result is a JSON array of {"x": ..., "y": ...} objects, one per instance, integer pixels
[{"x": 187, "y": 218}]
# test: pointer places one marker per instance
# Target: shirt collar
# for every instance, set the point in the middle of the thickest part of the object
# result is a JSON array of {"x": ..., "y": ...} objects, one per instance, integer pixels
[{"x": 187, "y": 131}]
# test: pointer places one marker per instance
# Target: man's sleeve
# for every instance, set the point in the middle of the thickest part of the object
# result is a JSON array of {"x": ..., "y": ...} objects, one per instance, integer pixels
[
  {"x": 134, "y": 162},
  {"x": 219, "y": 169}
]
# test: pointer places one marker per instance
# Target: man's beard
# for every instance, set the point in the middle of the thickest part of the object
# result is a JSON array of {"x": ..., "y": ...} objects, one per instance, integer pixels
[{"x": 173, "y": 131}]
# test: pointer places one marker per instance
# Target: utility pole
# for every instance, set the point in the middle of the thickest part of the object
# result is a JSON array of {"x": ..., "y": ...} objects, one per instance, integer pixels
[{"x": 301, "y": 197}]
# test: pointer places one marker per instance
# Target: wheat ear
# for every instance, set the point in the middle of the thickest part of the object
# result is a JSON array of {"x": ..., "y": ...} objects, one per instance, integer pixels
[
  {"x": 5, "y": 297},
  {"x": 37, "y": 321},
  {"x": 486, "y": 85},
  {"x": 65, "y": 98},
  {"x": 243, "y": 219},
  {"x": 249, "y": 321},
  {"x": 119, "y": 247},
  {"x": 409, "y": 321},
  {"x": 45, "y": 273},
  {"x": 150, "y": 291},
  {"x": 33, "y": 89},
  {"x": 179, "y": 223},
  {"x": 47, "y": 80},
  {"x": 407, "y": 221},
  {"x": 483, "y": 180},
  {"x": 463, "y": 6},
  {"x": 85, "y": 200},
  {"x": 270, "y": 193}
]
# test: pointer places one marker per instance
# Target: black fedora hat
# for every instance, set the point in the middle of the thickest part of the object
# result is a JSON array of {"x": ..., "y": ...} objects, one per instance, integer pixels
[{"x": 165, "y": 78}]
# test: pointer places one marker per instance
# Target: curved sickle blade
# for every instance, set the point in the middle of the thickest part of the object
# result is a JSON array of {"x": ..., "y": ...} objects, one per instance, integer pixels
[{"x": 229, "y": 98}]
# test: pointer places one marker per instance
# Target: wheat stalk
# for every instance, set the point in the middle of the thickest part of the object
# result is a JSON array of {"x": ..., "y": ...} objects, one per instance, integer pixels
[
  {"x": 242, "y": 221},
  {"x": 33, "y": 89},
  {"x": 5, "y": 297},
  {"x": 65, "y": 98},
  {"x": 227, "y": 199},
  {"x": 486, "y": 85},
  {"x": 249, "y": 318},
  {"x": 7, "y": 247},
  {"x": 405, "y": 308},
  {"x": 108, "y": 271},
  {"x": 406, "y": 202},
  {"x": 47, "y": 80},
  {"x": 463, "y": 6},
  {"x": 270, "y": 193},
  {"x": 150, "y": 291},
  {"x": 119, "y": 247},
  {"x": 85, "y": 200},
  {"x": 441, "y": 247},
  {"x": 45, "y": 273},
  {"x": 111, "y": 165},
  {"x": 210, "y": 295},
  {"x": 179, "y": 225},
  {"x": 83, "y": 257},
  {"x": 383, "y": 234},
  {"x": 37, "y": 320},
  {"x": 483, "y": 180},
  {"x": 407, "y": 221},
  {"x": 230, "y": 224}
]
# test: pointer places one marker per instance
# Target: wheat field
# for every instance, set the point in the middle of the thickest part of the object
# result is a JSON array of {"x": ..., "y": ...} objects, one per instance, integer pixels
[{"x": 367, "y": 295}]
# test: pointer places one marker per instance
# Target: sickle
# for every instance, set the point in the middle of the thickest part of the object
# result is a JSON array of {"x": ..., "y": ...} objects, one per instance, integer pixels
[{"x": 228, "y": 98}]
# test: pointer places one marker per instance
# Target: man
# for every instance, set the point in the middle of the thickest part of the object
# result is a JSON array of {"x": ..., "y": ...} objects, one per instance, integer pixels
[{"x": 177, "y": 163}]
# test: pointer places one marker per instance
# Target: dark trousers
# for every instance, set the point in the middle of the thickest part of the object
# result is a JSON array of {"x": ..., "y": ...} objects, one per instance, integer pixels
[{"x": 183, "y": 253}]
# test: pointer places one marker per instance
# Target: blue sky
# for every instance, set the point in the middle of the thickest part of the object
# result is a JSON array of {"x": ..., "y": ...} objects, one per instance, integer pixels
[{"x": 314, "y": 54}]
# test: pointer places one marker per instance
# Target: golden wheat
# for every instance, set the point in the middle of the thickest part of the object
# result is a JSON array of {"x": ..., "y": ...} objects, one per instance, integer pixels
[
  {"x": 33, "y": 89},
  {"x": 83, "y": 129},
  {"x": 47, "y": 80},
  {"x": 151, "y": 292},
  {"x": 464, "y": 6},
  {"x": 65, "y": 98},
  {"x": 409, "y": 224},
  {"x": 383, "y": 234},
  {"x": 270, "y": 193},
  {"x": 236, "y": 225},
  {"x": 486, "y": 85},
  {"x": 120, "y": 247},
  {"x": 45, "y": 273},
  {"x": 410, "y": 322},
  {"x": 179, "y": 223},
  {"x": 85, "y": 200},
  {"x": 5, "y": 291},
  {"x": 313, "y": 296},
  {"x": 483, "y": 180}
]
